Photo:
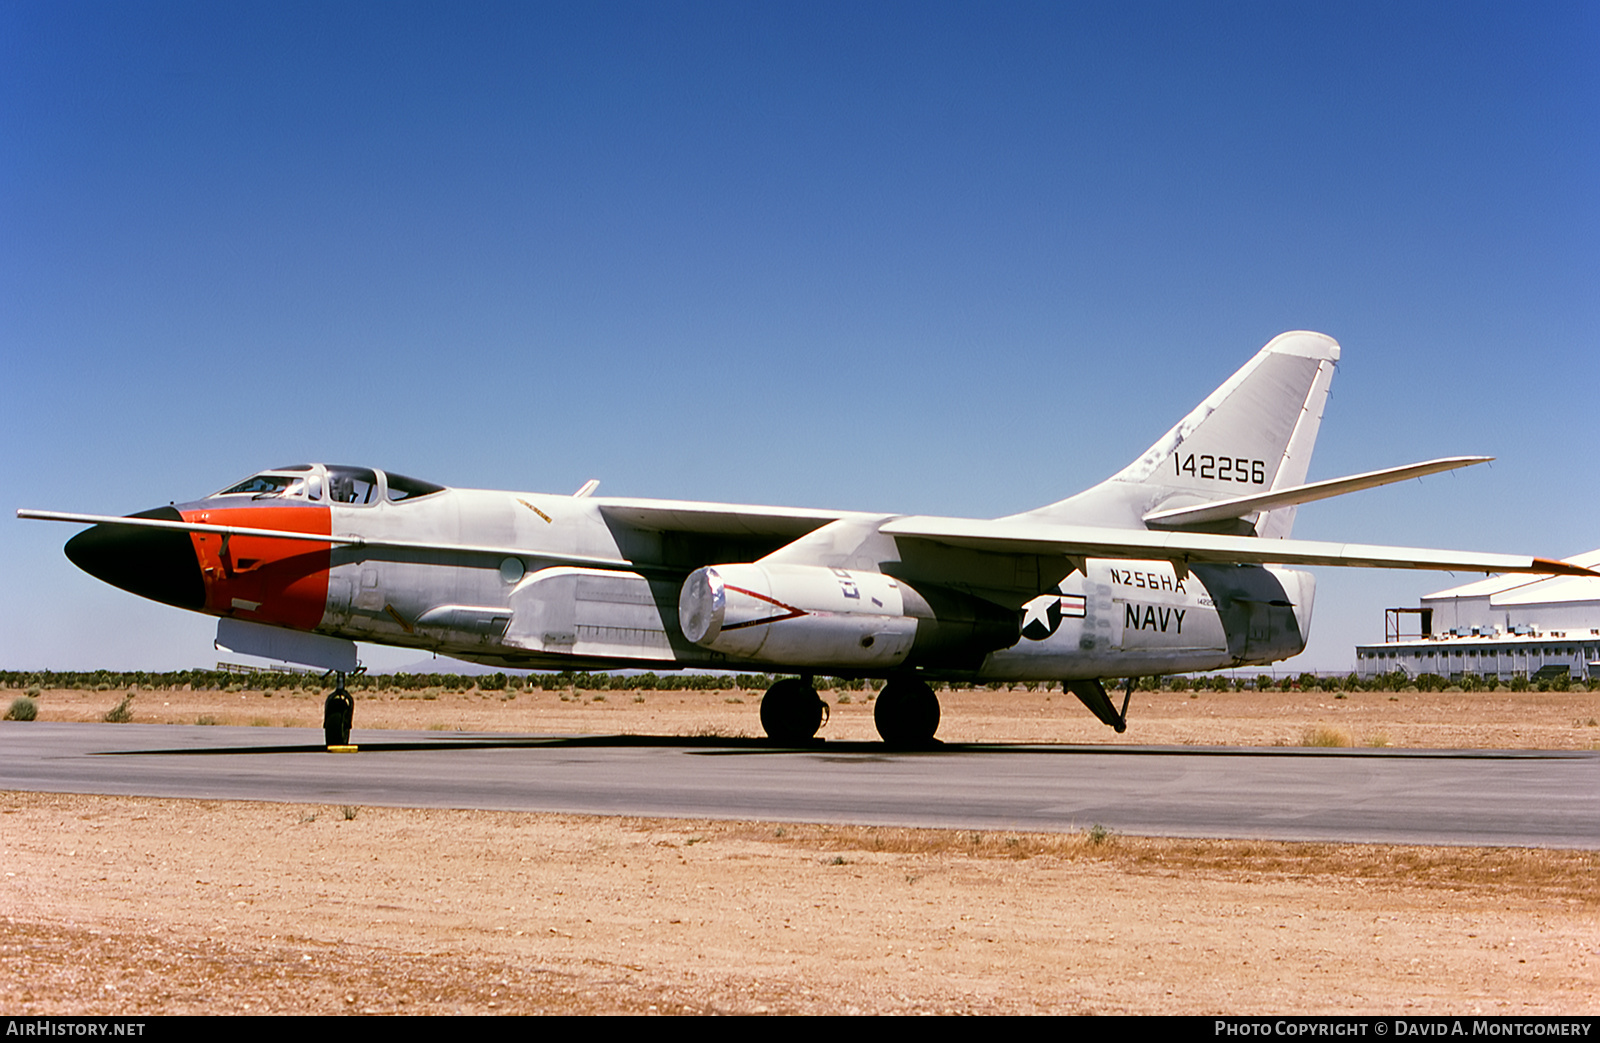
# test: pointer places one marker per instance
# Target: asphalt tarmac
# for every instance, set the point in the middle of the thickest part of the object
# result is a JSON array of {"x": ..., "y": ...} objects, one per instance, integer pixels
[{"x": 1516, "y": 798}]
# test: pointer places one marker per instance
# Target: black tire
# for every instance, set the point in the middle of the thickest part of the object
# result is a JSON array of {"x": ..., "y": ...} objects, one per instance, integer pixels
[
  {"x": 337, "y": 714},
  {"x": 791, "y": 711},
  {"x": 906, "y": 713}
]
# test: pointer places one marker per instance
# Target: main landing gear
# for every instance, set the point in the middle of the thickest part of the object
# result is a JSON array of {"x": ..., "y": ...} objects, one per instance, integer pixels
[
  {"x": 906, "y": 712},
  {"x": 792, "y": 711},
  {"x": 337, "y": 714}
]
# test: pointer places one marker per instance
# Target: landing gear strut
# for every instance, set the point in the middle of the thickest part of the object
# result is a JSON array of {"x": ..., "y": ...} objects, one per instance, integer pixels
[
  {"x": 1093, "y": 695},
  {"x": 337, "y": 713},
  {"x": 792, "y": 711},
  {"x": 906, "y": 713}
]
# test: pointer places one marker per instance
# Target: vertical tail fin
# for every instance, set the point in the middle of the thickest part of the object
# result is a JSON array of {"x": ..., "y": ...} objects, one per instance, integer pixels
[{"x": 1253, "y": 434}]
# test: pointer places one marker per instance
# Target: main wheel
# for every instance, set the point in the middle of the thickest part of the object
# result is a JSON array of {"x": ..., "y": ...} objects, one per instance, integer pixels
[
  {"x": 906, "y": 713},
  {"x": 337, "y": 713},
  {"x": 791, "y": 711}
]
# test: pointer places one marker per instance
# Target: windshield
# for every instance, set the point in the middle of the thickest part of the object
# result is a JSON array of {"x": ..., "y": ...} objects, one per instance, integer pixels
[
  {"x": 267, "y": 483},
  {"x": 264, "y": 484}
]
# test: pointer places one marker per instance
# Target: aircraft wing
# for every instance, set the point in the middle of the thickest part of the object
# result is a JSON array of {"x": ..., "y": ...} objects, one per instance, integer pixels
[
  {"x": 1186, "y": 548},
  {"x": 999, "y": 537},
  {"x": 725, "y": 519}
]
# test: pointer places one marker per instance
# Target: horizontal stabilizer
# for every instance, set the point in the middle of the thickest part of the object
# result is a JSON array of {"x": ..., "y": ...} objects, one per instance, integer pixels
[{"x": 1239, "y": 506}]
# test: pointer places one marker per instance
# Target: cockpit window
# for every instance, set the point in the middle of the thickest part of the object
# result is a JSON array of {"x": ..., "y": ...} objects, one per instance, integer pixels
[
  {"x": 352, "y": 484},
  {"x": 403, "y": 488},
  {"x": 265, "y": 485},
  {"x": 336, "y": 482}
]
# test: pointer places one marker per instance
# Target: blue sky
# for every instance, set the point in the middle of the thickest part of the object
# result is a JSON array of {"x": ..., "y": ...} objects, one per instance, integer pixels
[{"x": 956, "y": 259}]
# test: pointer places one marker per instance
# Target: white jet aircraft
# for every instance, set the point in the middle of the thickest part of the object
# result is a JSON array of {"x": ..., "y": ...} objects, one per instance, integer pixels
[{"x": 1174, "y": 564}]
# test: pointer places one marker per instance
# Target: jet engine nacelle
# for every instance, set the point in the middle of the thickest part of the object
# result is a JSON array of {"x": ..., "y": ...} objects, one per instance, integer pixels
[{"x": 798, "y": 614}]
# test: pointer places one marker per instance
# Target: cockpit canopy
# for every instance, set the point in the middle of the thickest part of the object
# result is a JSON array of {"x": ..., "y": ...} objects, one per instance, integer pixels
[{"x": 331, "y": 483}]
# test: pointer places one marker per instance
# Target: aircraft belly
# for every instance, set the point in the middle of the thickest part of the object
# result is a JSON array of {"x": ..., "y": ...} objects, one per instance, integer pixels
[
  {"x": 1124, "y": 617},
  {"x": 617, "y": 615},
  {"x": 588, "y": 612}
]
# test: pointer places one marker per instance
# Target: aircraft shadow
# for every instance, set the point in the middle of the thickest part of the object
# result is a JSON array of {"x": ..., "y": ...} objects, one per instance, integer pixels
[{"x": 717, "y": 746}]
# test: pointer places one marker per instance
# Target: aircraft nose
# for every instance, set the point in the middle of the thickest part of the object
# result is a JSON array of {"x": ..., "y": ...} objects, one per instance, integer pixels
[{"x": 158, "y": 564}]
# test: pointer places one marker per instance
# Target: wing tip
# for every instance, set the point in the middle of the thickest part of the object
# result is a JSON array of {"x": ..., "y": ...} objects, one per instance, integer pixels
[{"x": 1551, "y": 566}]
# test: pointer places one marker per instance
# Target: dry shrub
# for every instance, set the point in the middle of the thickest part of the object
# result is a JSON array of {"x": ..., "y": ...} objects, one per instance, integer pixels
[{"x": 1325, "y": 735}]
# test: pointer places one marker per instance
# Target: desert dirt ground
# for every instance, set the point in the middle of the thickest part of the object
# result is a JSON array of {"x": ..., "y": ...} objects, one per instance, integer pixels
[
  {"x": 1440, "y": 720},
  {"x": 143, "y": 906}
]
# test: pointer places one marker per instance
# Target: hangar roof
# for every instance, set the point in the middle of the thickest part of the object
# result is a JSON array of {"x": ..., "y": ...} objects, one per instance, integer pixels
[{"x": 1531, "y": 590}]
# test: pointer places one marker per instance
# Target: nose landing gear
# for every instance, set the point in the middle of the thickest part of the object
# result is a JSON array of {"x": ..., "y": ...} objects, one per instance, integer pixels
[{"x": 338, "y": 712}]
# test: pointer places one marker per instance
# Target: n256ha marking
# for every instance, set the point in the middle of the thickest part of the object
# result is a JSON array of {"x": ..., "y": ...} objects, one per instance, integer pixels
[{"x": 1146, "y": 580}]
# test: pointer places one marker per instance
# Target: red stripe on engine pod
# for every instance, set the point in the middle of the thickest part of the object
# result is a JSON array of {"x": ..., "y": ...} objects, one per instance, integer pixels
[
  {"x": 284, "y": 582},
  {"x": 792, "y": 612}
]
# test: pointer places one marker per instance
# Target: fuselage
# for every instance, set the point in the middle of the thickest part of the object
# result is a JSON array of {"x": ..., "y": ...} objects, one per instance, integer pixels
[{"x": 550, "y": 581}]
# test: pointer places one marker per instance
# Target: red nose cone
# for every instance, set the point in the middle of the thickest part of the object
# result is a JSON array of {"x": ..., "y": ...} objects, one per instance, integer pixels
[{"x": 158, "y": 564}]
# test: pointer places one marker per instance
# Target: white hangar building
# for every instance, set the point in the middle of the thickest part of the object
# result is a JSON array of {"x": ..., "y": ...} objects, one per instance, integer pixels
[{"x": 1505, "y": 626}]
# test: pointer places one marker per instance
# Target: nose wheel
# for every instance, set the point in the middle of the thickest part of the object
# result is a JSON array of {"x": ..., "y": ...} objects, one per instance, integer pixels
[{"x": 337, "y": 714}]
